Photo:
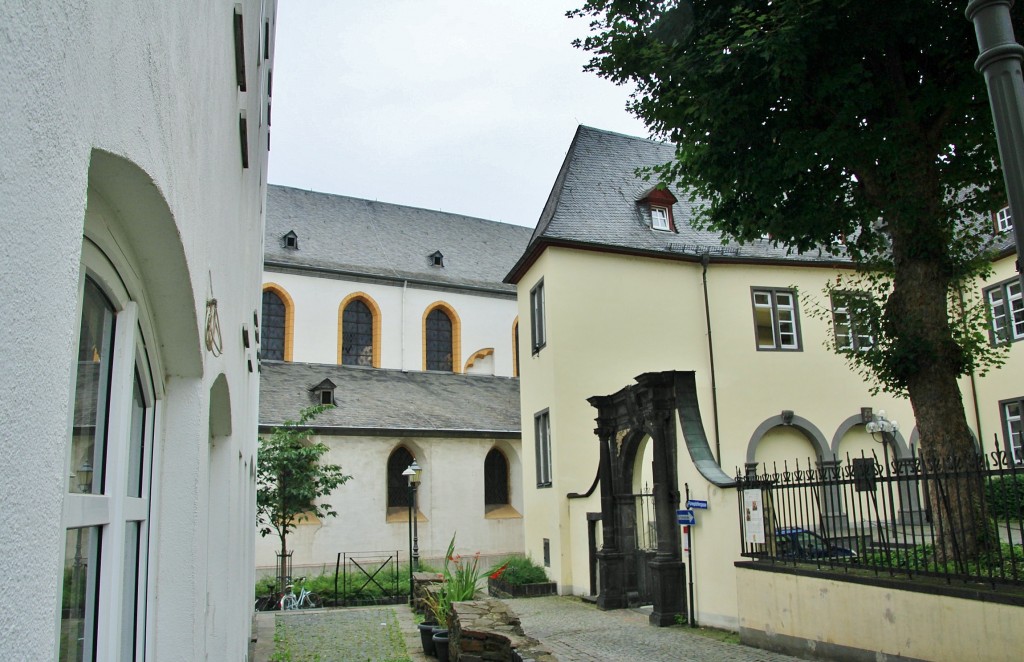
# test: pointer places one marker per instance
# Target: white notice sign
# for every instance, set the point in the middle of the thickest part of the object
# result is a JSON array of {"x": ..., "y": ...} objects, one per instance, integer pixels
[{"x": 753, "y": 514}]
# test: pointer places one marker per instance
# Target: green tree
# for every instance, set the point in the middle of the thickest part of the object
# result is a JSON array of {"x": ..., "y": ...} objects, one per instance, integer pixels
[
  {"x": 861, "y": 122},
  {"x": 290, "y": 480}
]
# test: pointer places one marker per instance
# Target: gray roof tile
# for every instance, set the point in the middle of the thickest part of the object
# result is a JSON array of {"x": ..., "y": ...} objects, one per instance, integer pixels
[
  {"x": 391, "y": 400},
  {"x": 594, "y": 201},
  {"x": 358, "y": 236}
]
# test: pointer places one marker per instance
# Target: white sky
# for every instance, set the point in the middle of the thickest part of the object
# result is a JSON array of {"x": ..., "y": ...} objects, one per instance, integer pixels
[{"x": 458, "y": 105}]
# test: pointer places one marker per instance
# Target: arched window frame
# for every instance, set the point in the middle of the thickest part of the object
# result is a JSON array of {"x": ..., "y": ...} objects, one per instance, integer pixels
[
  {"x": 397, "y": 485},
  {"x": 456, "y": 334},
  {"x": 289, "y": 316},
  {"x": 513, "y": 497},
  {"x": 374, "y": 312}
]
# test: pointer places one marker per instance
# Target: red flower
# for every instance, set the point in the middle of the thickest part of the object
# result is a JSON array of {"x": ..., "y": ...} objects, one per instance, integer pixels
[{"x": 499, "y": 572}]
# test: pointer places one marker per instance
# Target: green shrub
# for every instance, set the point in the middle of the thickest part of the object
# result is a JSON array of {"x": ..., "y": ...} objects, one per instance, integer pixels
[
  {"x": 1005, "y": 497},
  {"x": 350, "y": 585},
  {"x": 522, "y": 570}
]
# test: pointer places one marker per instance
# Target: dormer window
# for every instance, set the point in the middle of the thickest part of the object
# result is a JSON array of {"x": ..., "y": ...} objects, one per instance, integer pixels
[
  {"x": 290, "y": 240},
  {"x": 324, "y": 392},
  {"x": 437, "y": 259},
  {"x": 658, "y": 203},
  {"x": 1004, "y": 221},
  {"x": 659, "y": 218}
]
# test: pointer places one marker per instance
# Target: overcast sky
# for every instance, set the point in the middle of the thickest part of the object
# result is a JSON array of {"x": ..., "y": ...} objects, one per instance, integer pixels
[{"x": 458, "y": 105}]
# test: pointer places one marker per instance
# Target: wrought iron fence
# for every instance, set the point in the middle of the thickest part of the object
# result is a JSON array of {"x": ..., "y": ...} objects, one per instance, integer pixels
[
  {"x": 368, "y": 578},
  {"x": 954, "y": 518}
]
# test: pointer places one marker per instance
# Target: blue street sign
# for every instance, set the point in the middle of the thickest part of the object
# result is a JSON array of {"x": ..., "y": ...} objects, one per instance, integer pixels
[
  {"x": 697, "y": 503},
  {"x": 685, "y": 517}
]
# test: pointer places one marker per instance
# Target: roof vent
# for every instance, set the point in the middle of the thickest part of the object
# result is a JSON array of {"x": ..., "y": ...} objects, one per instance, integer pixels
[
  {"x": 290, "y": 240},
  {"x": 437, "y": 259},
  {"x": 324, "y": 392}
]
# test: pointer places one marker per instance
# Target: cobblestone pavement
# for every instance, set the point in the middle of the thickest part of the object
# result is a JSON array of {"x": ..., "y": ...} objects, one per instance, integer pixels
[
  {"x": 575, "y": 631},
  {"x": 572, "y": 630}
]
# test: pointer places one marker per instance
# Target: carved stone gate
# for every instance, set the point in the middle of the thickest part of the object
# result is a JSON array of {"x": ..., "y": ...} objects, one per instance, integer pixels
[{"x": 624, "y": 419}]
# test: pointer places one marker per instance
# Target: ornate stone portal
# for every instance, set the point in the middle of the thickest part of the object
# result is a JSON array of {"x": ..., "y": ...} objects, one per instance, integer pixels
[{"x": 624, "y": 419}]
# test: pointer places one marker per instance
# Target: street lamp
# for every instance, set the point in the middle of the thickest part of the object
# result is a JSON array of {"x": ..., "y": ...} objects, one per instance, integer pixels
[
  {"x": 879, "y": 423},
  {"x": 413, "y": 473}
]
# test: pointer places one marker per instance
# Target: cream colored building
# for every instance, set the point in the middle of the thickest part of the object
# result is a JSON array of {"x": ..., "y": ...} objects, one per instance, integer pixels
[
  {"x": 132, "y": 167},
  {"x": 616, "y": 284},
  {"x": 403, "y": 312}
]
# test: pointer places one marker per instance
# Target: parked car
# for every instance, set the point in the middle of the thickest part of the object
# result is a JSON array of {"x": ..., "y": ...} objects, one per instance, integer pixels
[{"x": 801, "y": 544}]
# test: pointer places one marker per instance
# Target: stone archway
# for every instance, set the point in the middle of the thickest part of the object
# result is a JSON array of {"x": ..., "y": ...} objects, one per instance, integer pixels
[{"x": 624, "y": 420}]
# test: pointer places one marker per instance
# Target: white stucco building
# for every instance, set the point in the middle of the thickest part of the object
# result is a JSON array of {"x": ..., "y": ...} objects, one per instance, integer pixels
[
  {"x": 132, "y": 169},
  {"x": 398, "y": 317}
]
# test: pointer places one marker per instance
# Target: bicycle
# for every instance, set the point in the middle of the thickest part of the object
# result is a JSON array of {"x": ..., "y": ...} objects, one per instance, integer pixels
[{"x": 304, "y": 600}]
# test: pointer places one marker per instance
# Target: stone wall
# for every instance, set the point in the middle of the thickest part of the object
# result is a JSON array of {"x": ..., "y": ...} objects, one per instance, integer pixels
[{"x": 488, "y": 629}]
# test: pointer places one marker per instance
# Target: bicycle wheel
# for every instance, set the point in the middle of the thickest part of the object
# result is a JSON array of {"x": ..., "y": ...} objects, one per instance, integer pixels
[
  {"x": 313, "y": 601},
  {"x": 289, "y": 601}
]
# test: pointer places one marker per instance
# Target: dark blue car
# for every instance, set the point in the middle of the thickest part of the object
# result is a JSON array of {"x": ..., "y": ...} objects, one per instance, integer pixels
[{"x": 801, "y": 544}]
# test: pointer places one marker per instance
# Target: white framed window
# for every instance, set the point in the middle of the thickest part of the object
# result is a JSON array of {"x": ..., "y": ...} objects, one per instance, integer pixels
[
  {"x": 1011, "y": 412},
  {"x": 851, "y": 321},
  {"x": 659, "y": 218},
  {"x": 776, "y": 326},
  {"x": 1004, "y": 221},
  {"x": 538, "y": 332},
  {"x": 106, "y": 508},
  {"x": 542, "y": 441},
  {"x": 1006, "y": 310}
]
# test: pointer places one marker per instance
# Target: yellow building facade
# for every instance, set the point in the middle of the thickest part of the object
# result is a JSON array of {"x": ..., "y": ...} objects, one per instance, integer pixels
[{"x": 607, "y": 293}]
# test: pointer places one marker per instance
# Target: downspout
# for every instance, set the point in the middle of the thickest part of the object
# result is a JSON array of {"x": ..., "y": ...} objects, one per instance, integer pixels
[
  {"x": 705, "y": 259},
  {"x": 402, "y": 365},
  {"x": 974, "y": 386}
]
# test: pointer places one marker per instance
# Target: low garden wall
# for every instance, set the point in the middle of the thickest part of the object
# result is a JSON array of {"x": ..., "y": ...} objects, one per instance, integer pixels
[
  {"x": 489, "y": 630},
  {"x": 499, "y": 588},
  {"x": 811, "y": 615}
]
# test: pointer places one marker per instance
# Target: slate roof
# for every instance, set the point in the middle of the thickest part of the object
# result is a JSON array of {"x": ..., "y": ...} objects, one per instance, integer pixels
[
  {"x": 594, "y": 203},
  {"x": 375, "y": 400},
  {"x": 364, "y": 237}
]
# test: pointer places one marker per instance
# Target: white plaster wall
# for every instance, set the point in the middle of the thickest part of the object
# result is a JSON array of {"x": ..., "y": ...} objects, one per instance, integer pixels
[
  {"x": 450, "y": 499},
  {"x": 486, "y": 321},
  {"x": 154, "y": 84}
]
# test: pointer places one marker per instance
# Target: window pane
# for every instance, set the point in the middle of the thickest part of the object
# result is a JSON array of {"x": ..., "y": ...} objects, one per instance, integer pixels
[
  {"x": 439, "y": 341},
  {"x": 398, "y": 485},
  {"x": 659, "y": 218},
  {"x": 92, "y": 390},
  {"x": 130, "y": 616},
  {"x": 272, "y": 338},
  {"x": 542, "y": 433},
  {"x": 80, "y": 595},
  {"x": 357, "y": 335},
  {"x": 765, "y": 327},
  {"x": 137, "y": 443},
  {"x": 1016, "y": 302},
  {"x": 1012, "y": 416},
  {"x": 495, "y": 479}
]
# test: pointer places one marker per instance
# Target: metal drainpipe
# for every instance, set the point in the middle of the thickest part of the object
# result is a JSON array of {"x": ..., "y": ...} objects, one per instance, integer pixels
[
  {"x": 705, "y": 259},
  {"x": 404, "y": 284}
]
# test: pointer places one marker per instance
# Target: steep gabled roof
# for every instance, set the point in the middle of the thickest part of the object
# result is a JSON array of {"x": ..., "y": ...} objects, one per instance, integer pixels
[
  {"x": 374, "y": 401},
  {"x": 362, "y": 237},
  {"x": 593, "y": 204}
]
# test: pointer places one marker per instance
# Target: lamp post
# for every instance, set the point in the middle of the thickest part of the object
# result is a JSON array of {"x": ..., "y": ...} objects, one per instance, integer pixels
[
  {"x": 413, "y": 473},
  {"x": 879, "y": 423},
  {"x": 999, "y": 60}
]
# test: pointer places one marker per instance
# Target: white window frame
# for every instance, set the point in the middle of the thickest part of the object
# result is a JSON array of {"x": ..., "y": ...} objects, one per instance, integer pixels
[
  {"x": 1006, "y": 311},
  {"x": 1010, "y": 413},
  {"x": 542, "y": 443},
  {"x": 538, "y": 330},
  {"x": 857, "y": 336},
  {"x": 783, "y": 317},
  {"x": 1004, "y": 220},
  {"x": 113, "y": 510},
  {"x": 659, "y": 219}
]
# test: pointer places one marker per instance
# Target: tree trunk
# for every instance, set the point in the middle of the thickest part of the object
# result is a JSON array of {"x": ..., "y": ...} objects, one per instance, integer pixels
[{"x": 930, "y": 362}]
